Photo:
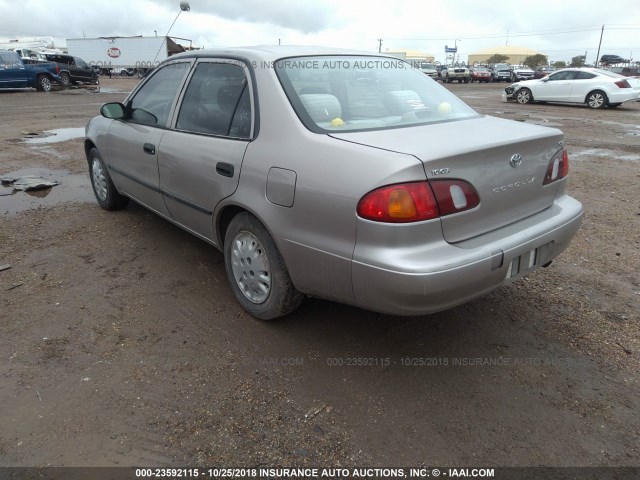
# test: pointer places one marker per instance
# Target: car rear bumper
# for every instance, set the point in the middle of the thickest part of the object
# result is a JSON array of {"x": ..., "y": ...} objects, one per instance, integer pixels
[
  {"x": 444, "y": 275},
  {"x": 623, "y": 96}
]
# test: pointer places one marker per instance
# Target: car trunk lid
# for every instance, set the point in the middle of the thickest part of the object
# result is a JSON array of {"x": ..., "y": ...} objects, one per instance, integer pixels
[{"x": 479, "y": 151}]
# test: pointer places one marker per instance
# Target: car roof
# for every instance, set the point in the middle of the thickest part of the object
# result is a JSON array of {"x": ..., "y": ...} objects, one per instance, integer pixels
[{"x": 270, "y": 53}]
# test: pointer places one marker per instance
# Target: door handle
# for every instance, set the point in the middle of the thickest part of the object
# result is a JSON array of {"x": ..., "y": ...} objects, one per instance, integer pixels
[
  {"x": 149, "y": 148},
  {"x": 224, "y": 169}
]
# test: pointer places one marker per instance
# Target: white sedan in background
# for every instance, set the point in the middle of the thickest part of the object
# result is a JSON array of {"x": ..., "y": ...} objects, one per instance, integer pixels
[{"x": 597, "y": 88}]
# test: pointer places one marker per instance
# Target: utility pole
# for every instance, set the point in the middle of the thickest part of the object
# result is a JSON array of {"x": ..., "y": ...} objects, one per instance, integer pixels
[
  {"x": 598, "y": 54},
  {"x": 379, "y": 45}
]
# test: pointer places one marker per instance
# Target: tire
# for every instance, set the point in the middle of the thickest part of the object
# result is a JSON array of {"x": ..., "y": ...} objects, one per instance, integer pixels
[
  {"x": 43, "y": 83},
  {"x": 103, "y": 187},
  {"x": 614, "y": 105},
  {"x": 256, "y": 271},
  {"x": 596, "y": 99},
  {"x": 65, "y": 79},
  {"x": 524, "y": 96}
]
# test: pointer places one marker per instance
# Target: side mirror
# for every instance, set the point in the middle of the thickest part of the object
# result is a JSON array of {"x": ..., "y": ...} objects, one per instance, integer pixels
[{"x": 113, "y": 110}]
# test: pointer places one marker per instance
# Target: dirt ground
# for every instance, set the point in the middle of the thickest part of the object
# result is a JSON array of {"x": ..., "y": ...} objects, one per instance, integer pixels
[{"x": 121, "y": 342}]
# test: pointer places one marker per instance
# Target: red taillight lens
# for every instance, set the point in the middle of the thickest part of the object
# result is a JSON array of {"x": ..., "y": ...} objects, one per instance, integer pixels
[
  {"x": 623, "y": 84},
  {"x": 401, "y": 203},
  {"x": 454, "y": 196},
  {"x": 415, "y": 202},
  {"x": 558, "y": 167}
]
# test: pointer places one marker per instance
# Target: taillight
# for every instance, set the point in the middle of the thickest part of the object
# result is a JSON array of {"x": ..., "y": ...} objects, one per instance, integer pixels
[
  {"x": 454, "y": 196},
  {"x": 401, "y": 203},
  {"x": 415, "y": 202},
  {"x": 623, "y": 84},
  {"x": 558, "y": 167}
]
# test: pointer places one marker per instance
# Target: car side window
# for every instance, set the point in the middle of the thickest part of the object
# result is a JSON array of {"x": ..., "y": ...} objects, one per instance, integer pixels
[
  {"x": 584, "y": 76},
  {"x": 561, "y": 76},
  {"x": 152, "y": 103},
  {"x": 217, "y": 101}
]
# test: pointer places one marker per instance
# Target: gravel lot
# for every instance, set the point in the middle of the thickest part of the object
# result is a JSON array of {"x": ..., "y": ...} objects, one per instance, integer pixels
[{"x": 121, "y": 343}]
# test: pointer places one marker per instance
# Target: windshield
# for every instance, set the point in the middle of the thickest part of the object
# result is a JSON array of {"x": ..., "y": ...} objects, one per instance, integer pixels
[{"x": 348, "y": 93}]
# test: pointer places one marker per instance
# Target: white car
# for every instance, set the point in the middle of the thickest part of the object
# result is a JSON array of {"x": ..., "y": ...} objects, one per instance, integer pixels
[{"x": 597, "y": 88}]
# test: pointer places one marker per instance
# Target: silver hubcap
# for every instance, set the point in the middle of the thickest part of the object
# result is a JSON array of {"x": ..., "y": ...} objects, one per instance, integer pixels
[
  {"x": 250, "y": 267},
  {"x": 99, "y": 180},
  {"x": 523, "y": 97},
  {"x": 596, "y": 100},
  {"x": 46, "y": 84}
]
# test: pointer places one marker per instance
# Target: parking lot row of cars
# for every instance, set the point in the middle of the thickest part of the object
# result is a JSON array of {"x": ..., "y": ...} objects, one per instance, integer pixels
[
  {"x": 500, "y": 72},
  {"x": 47, "y": 69},
  {"x": 61, "y": 69}
]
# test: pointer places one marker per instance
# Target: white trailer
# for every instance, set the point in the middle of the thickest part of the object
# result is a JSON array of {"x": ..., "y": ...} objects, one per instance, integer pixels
[{"x": 121, "y": 53}]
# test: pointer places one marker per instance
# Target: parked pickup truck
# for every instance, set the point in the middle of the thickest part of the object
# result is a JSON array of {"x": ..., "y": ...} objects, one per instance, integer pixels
[
  {"x": 14, "y": 73},
  {"x": 73, "y": 69},
  {"x": 450, "y": 73}
]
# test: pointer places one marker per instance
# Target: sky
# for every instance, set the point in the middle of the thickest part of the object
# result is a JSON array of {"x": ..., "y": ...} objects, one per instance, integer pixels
[{"x": 560, "y": 29}]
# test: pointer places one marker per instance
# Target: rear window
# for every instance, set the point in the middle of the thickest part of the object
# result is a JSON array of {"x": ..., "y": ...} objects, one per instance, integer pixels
[
  {"x": 610, "y": 74},
  {"x": 353, "y": 93}
]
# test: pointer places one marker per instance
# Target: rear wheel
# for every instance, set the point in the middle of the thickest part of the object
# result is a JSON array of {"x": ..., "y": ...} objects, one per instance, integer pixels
[
  {"x": 103, "y": 187},
  {"x": 43, "y": 83},
  {"x": 597, "y": 99},
  {"x": 256, "y": 270},
  {"x": 524, "y": 96}
]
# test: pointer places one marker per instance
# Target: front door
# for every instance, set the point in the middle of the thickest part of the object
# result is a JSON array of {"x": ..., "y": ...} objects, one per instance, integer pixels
[
  {"x": 555, "y": 87},
  {"x": 133, "y": 147}
]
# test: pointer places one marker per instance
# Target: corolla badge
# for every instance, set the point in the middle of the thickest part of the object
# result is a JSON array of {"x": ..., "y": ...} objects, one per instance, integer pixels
[{"x": 516, "y": 160}]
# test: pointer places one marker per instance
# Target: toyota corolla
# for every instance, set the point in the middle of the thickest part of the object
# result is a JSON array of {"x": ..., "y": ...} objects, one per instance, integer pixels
[{"x": 390, "y": 194}]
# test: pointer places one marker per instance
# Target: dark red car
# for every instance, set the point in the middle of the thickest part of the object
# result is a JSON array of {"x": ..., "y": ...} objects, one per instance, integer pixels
[
  {"x": 480, "y": 74},
  {"x": 542, "y": 72}
]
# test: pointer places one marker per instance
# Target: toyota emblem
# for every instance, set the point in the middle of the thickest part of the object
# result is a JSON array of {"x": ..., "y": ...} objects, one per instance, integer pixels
[{"x": 516, "y": 160}]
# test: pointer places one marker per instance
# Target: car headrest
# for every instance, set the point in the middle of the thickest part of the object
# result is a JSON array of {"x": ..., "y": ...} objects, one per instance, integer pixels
[
  {"x": 321, "y": 107},
  {"x": 399, "y": 102}
]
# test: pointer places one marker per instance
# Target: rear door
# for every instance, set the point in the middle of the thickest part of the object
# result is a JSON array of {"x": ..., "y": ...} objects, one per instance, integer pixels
[
  {"x": 133, "y": 143},
  {"x": 200, "y": 158}
]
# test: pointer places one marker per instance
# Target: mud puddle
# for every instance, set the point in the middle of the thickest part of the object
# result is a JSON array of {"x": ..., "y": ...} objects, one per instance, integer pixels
[
  {"x": 113, "y": 90},
  {"x": 57, "y": 135},
  {"x": 71, "y": 188},
  {"x": 602, "y": 152}
]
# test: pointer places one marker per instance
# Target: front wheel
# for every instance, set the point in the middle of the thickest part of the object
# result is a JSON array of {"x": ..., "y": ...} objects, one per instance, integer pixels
[
  {"x": 65, "y": 79},
  {"x": 43, "y": 83},
  {"x": 256, "y": 270},
  {"x": 524, "y": 96},
  {"x": 103, "y": 187},
  {"x": 597, "y": 99}
]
